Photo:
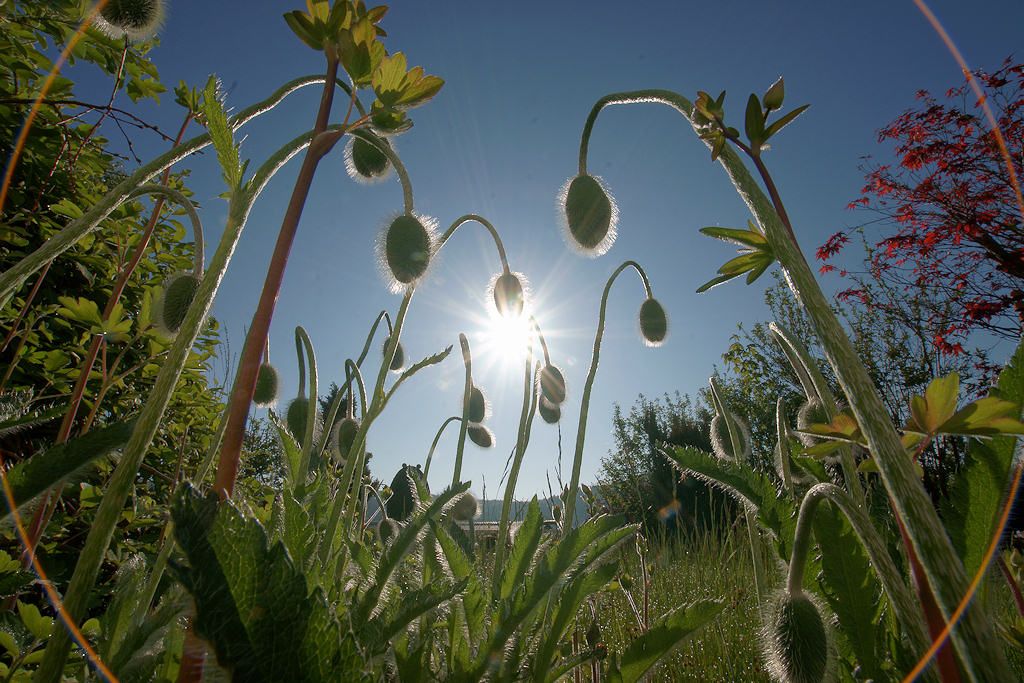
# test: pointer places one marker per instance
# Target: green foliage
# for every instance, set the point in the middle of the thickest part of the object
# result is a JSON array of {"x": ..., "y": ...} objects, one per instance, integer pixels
[{"x": 663, "y": 637}]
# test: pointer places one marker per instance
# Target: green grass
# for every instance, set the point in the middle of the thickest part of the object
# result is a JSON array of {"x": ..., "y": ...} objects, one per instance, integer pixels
[{"x": 682, "y": 570}]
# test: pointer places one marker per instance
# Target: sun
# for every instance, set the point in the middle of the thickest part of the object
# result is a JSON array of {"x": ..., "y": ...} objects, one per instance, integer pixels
[{"x": 505, "y": 339}]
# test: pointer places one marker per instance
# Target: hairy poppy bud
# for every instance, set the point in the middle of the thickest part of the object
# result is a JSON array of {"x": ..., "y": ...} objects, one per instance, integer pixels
[
  {"x": 405, "y": 249},
  {"x": 267, "y": 382},
  {"x": 364, "y": 162},
  {"x": 344, "y": 436},
  {"x": 556, "y": 513},
  {"x": 653, "y": 322},
  {"x": 398, "y": 361},
  {"x": 590, "y": 215},
  {"x": 178, "y": 294},
  {"x": 549, "y": 412},
  {"x": 476, "y": 409},
  {"x": 297, "y": 417},
  {"x": 811, "y": 412},
  {"x": 721, "y": 442},
  {"x": 795, "y": 639},
  {"x": 465, "y": 507},
  {"x": 135, "y": 19},
  {"x": 552, "y": 385},
  {"x": 509, "y": 297},
  {"x": 480, "y": 435},
  {"x": 403, "y": 493},
  {"x": 388, "y": 529}
]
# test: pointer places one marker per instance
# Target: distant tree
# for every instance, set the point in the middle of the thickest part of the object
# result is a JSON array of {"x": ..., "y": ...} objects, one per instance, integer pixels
[
  {"x": 954, "y": 210},
  {"x": 636, "y": 480}
]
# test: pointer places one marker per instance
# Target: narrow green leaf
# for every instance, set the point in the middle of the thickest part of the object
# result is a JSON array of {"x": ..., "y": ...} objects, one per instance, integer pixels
[
  {"x": 985, "y": 417},
  {"x": 748, "y": 238},
  {"x": 521, "y": 556},
  {"x": 784, "y": 121},
  {"x": 715, "y": 281},
  {"x": 754, "y": 122},
  {"x": 664, "y": 636}
]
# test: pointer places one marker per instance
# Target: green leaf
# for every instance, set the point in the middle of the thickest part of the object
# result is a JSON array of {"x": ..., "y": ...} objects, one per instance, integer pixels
[
  {"x": 80, "y": 310},
  {"x": 749, "y": 238},
  {"x": 39, "y": 473},
  {"x": 851, "y": 588},
  {"x": 754, "y": 123},
  {"x": 221, "y": 133},
  {"x": 474, "y": 601},
  {"x": 248, "y": 594},
  {"x": 985, "y": 417},
  {"x": 521, "y": 556},
  {"x": 975, "y": 502},
  {"x": 302, "y": 27},
  {"x": 412, "y": 605},
  {"x": 38, "y": 625},
  {"x": 784, "y": 121},
  {"x": 715, "y": 281},
  {"x": 664, "y": 636},
  {"x": 777, "y": 514},
  {"x": 928, "y": 412}
]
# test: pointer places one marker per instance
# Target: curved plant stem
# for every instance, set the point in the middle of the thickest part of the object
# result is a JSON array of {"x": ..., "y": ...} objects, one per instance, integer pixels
[
  {"x": 974, "y": 638},
  {"x": 904, "y": 605},
  {"x": 472, "y": 217},
  {"x": 433, "y": 444},
  {"x": 581, "y": 431},
  {"x": 311, "y": 411},
  {"x": 467, "y": 361},
  {"x": 522, "y": 441},
  {"x": 249, "y": 362}
]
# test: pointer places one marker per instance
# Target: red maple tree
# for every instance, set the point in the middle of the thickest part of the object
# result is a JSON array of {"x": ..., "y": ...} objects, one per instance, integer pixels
[{"x": 951, "y": 202}]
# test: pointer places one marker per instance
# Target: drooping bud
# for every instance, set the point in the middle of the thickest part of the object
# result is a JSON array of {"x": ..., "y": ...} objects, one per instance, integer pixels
[
  {"x": 267, "y": 383},
  {"x": 509, "y": 297},
  {"x": 549, "y": 412},
  {"x": 476, "y": 409},
  {"x": 465, "y": 507},
  {"x": 405, "y": 248},
  {"x": 556, "y": 513},
  {"x": 178, "y": 294},
  {"x": 398, "y": 361},
  {"x": 590, "y": 215},
  {"x": 297, "y": 417},
  {"x": 403, "y": 493},
  {"x": 344, "y": 436},
  {"x": 811, "y": 412},
  {"x": 795, "y": 639},
  {"x": 136, "y": 19},
  {"x": 364, "y": 162},
  {"x": 721, "y": 442},
  {"x": 653, "y": 322},
  {"x": 388, "y": 529},
  {"x": 552, "y": 385},
  {"x": 595, "y": 641},
  {"x": 480, "y": 435}
]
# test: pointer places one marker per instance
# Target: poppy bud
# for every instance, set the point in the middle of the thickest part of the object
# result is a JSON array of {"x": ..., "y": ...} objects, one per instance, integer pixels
[
  {"x": 476, "y": 409},
  {"x": 480, "y": 435},
  {"x": 509, "y": 297},
  {"x": 465, "y": 507},
  {"x": 297, "y": 417},
  {"x": 552, "y": 385},
  {"x": 135, "y": 19},
  {"x": 549, "y": 412},
  {"x": 653, "y": 322},
  {"x": 590, "y": 215},
  {"x": 811, "y": 412},
  {"x": 364, "y": 162},
  {"x": 403, "y": 493},
  {"x": 344, "y": 436},
  {"x": 795, "y": 639},
  {"x": 388, "y": 529},
  {"x": 178, "y": 294},
  {"x": 398, "y": 361},
  {"x": 405, "y": 249},
  {"x": 721, "y": 442},
  {"x": 267, "y": 382}
]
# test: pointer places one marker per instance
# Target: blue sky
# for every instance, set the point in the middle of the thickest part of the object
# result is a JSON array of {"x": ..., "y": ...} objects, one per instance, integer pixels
[{"x": 500, "y": 140}]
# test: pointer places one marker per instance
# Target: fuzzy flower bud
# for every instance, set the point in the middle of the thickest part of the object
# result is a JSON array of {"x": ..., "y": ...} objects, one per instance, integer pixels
[
  {"x": 509, "y": 297},
  {"x": 465, "y": 507},
  {"x": 405, "y": 248},
  {"x": 178, "y": 294},
  {"x": 344, "y": 437},
  {"x": 267, "y": 383},
  {"x": 480, "y": 435},
  {"x": 653, "y": 322},
  {"x": 721, "y": 443},
  {"x": 135, "y": 19},
  {"x": 398, "y": 361},
  {"x": 549, "y": 412},
  {"x": 795, "y": 639},
  {"x": 476, "y": 409},
  {"x": 552, "y": 385},
  {"x": 388, "y": 529},
  {"x": 590, "y": 215},
  {"x": 364, "y": 162}
]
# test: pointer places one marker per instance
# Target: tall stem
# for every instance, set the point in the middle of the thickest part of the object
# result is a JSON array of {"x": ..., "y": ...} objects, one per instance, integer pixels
[
  {"x": 467, "y": 390},
  {"x": 581, "y": 430},
  {"x": 433, "y": 444},
  {"x": 975, "y": 640},
  {"x": 522, "y": 441},
  {"x": 259, "y": 328}
]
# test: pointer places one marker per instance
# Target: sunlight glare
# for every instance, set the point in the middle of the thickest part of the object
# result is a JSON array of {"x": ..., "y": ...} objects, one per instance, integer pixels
[{"x": 505, "y": 338}]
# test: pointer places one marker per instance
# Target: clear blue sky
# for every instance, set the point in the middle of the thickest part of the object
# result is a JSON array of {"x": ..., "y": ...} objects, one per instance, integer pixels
[{"x": 500, "y": 140}]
